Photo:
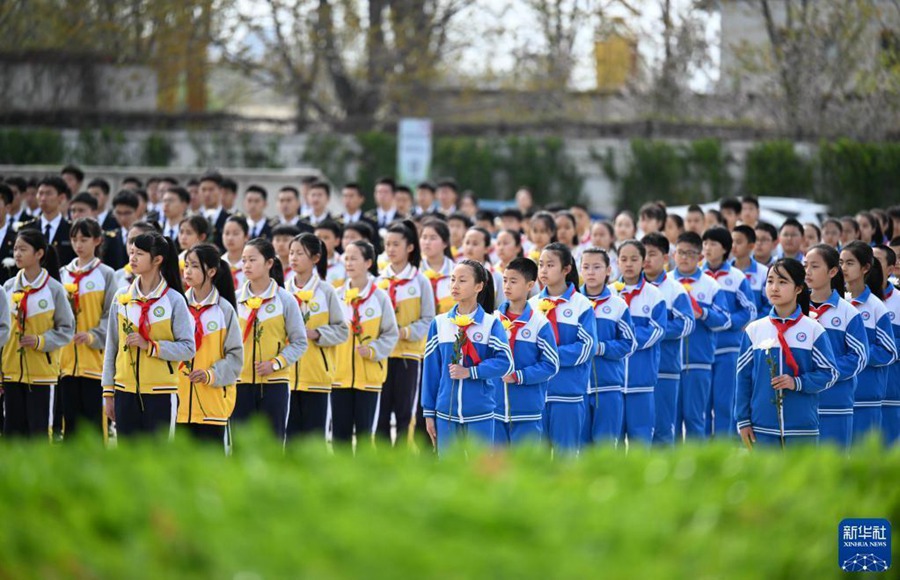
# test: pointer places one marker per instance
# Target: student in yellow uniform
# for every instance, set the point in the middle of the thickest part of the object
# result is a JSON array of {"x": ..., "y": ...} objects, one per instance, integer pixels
[
  {"x": 42, "y": 324},
  {"x": 361, "y": 369},
  {"x": 90, "y": 285},
  {"x": 206, "y": 385},
  {"x": 437, "y": 262},
  {"x": 149, "y": 334},
  {"x": 413, "y": 304},
  {"x": 273, "y": 335},
  {"x": 325, "y": 329}
]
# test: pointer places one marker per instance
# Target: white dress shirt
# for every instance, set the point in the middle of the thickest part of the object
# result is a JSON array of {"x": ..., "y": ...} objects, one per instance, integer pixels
[{"x": 54, "y": 225}]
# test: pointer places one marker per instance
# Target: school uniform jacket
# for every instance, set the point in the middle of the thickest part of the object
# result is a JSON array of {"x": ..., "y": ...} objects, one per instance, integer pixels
[
  {"x": 536, "y": 361},
  {"x": 277, "y": 333},
  {"x": 336, "y": 274},
  {"x": 871, "y": 385},
  {"x": 756, "y": 278},
  {"x": 844, "y": 327},
  {"x": 576, "y": 345},
  {"x": 95, "y": 297},
  {"x": 4, "y": 317},
  {"x": 615, "y": 342},
  {"x": 321, "y": 310},
  {"x": 892, "y": 303},
  {"x": 754, "y": 400},
  {"x": 464, "y": 400},
  {"x": 440, "y": 284},
  {"x": 413, "y": 304},
  {"x": 740, "y": 304},
  {"x": 7, "y": 262},
  {"x": 377, "y": 329},
  {"x": 61, "y": 241},
  {"x": 679, "y": 323},
  {"x": 648, "y": 314},
  {"x": 700, "y": 346},
  {"x": 153, "y": 371},
  {"x": 49, "y": 317},
  {"x": 220, "y": 354}
]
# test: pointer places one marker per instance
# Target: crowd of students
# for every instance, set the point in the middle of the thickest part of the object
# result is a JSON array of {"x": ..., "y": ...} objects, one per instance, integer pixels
[{"x": 429, "y": 320}]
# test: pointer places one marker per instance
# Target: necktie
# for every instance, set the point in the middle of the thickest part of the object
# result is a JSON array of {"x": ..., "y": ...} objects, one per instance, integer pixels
[
  {"x": 47, "y": 233},
  {"x": 782, "y": 327},
  {"x": 171, "y": 233},
  {"x": 197, "y": 311}
]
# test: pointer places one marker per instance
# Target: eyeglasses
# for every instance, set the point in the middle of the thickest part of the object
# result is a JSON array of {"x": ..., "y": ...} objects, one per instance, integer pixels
[{"x": 686, "y": 253}]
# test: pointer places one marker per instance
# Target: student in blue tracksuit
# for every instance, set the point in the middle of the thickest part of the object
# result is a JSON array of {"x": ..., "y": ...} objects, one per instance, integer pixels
[
  {"x": 605, "y": 401},
  {"x": 890, "y": 411},
  {"x": 521, "y": 394},
  {"x": 711, "y": 317},
  {"x": 787, "y": 358},
  {"x": 679, "y": 323},
  {"x": 743, "y": 243},
  {"x": 465, "y": 353},
  {"x": 648, "y": 314},
  {"x": 571, "y": 318},
  {"x": 865, "y": 284},
  {"x": 849, "y": 343},
  {"x": 741, "y": 307}
]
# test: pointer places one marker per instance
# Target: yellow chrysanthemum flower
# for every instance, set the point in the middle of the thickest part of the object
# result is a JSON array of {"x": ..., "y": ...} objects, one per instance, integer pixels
[
  {"x": 351, "y": 295},
  {"x": 17, "y": 297},
  {"x": 384, "y": 283},
  {"x": 507, "y": 324},
  {"x": 432, "y": 275},
  {"x": 71, "y": 288},
  {"x": 305, "y": 295},
  {"x": 124, "y": 299},
  {"x": 254, "y": 303},
  {"x": 128, "y": 269},
  {"x": 463, "y": 320},
  {"x": 546, "y": 306},
  {"x": 619, "y": 286}
]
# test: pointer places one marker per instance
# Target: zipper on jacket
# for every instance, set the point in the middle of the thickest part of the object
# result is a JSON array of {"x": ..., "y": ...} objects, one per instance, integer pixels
[
  {"x": 324, "y": 360},
  {"x": 171, "y": 370}
]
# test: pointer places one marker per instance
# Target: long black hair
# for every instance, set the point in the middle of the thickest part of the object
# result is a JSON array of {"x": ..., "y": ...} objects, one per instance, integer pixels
[
  {"x": 407, "y": 229},
  {"x": 89, "y": 228},
  {"x": 200, "y": 225},
  {"x": 315, "y": 249},
  {"x": 36, "y": 240},
  {"x": 368, "y": 252},
  {"x": 265, "y": 247},
  {"x": 866, "y": 257},
  {"x": 832, "y": 259},
  {"x": 793, "y": 271},
  {"x": 571, "y": 217},
  {"x": 486, "y": 235},
  {"x": 549, "y": 221},
  {"x": 209, "y": 258},
  {"x": 566, "y": 258},
  {"x": 877, "y": 233},
  {"x": 486, "y": 297},
  {"x": 517, "y": 240},
  {"x": 156, "y": 244},
  {"x": 441, "y": 228}
]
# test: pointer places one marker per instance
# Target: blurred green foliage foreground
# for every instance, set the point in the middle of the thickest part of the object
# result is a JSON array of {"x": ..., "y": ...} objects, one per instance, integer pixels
[{"x": 154, "y": 510}]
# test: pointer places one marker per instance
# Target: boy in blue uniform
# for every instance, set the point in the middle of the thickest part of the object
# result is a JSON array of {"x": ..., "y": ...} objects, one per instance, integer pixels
[
  {"x": 711, "y": 317},
  {"x": 679, "y": 323},
  {"x": 743, "y": 240},
  {"x": 741, "y": 307},
  {"x": 520, "y": 395}
]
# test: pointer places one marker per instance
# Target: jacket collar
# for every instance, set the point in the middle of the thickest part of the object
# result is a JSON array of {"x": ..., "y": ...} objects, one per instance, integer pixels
[
  {"x": 774, "y": 315},
  {"x": 567, "y": 295},
  {"x": 478, "y": 315},
  {"x": 245, "y": 293},
  {"x": 135, "y": 290},
  {"x": 211, "y": 298},
  {"x": 22, "y": 283}
]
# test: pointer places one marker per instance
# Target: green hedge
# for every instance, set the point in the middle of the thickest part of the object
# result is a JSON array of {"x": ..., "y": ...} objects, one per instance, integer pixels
[{"x": 157, "y": 511}]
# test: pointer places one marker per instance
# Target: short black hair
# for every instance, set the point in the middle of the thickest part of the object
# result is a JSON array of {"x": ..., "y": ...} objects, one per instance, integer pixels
[
  {"x": 101, "y": 184},
  {"x": 653, "y": 211},
  {"x": 257, "y": 189},
  {"x": 690, "y": 238},
  {"x": 131, "y": 179},
  {"x": 512, "y": 212},
  {"x": 524, "y": 266},
  {"x": 213, "y": 176},
  {"x": 87, "y": 199},
  {"x": 449, "y": 182},
  {"x": 142, "y": 193},
  {"x": 656, "y": 240},
  {"x": 309, "y": 180},
  {"x": 694, "y": 208},
  {"x": 169, "y": 179},
  {"x": 285, "y": 230},
  {"x": 291, "y": 189},
  {"x": 74, "y": 170},
  {"x": 747, "y": 232},
  {"x": 355, "y": 187},
  {"x": 426, "y": 185},
  {"x": 485, "y": 215},
  {"x": 330, "y": 225},
  {"x": 721, "y": 235},
  {"x": 17, "y": 182},
  {"x": 751, "y": 200},
  {"x": 181, "y": 192},
  {"x": 403, "y": 189},
  {"x": 229, "y": 184},
  {"x": 6, "y": 193},
  {"x": 387, "y": 181},
  {"x": 460, "y": 216},
  {"x": 791, "y": 222},
  {"x": 732, "y": 203},
  {"x": 126, "y": 197},
  {"x": 56, "y": 183},
  {"x": 321, "y": 185},
  {"x": 768, "y": 228}
]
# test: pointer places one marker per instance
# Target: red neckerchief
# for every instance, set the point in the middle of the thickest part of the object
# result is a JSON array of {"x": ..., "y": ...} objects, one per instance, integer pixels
[
  {"x": 717, "y": 274},
  {"x": 517, "y": 324},
  {"x": 394, "y": 283},
  {"x": 694, "y": 304},
  {"x": 595, "y": 302},
  {"x": 197, "y": 312},
  {"x": 144, "y": 318},
  {"x": 434, "y": 286},
  {"x": 817, "y": 311},
  {"x": 355, "y": 304},
  {"x": 251, "y": 318},
  {"x": 635, "y": 292},
  {"x": 77, "y": 277},
  {"x": 234, "y": 273},
  {"x": 23, "y": 304},
  {"x": 782, "y": 327},
  {"x": 551, "y": 315}
]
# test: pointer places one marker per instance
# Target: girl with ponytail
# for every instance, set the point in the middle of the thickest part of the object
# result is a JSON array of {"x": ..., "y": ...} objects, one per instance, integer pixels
[
  {"x": 437, "y": 261},
  {"x": 42, "y": 324},
  {"x": 864, "y": 281},
  {"x": 467, "y": 351},
  {"x": 149, "y": 335},
  {"x": 846, "y": 332},
  {"x": 412, "y": 300},
  {"x": 206, "y": 385},
  {"x": 313, "y": 374},
  {"x": 786, "y": 355}
]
